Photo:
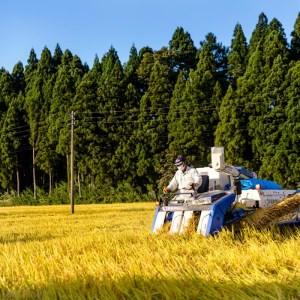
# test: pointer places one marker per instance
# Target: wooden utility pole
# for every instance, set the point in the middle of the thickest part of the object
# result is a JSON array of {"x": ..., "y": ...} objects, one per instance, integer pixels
[{"x": 72, "y": 164}]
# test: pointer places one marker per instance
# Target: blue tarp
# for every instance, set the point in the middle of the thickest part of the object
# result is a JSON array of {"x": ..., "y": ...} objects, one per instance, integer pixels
[{"x": 265, "y": 184}]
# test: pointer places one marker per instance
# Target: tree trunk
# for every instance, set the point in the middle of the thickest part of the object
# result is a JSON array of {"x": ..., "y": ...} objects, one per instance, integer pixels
[
  {"x": 91, "y": 184},
  {"x": 18, "y": 182},
  {"x": 50, "y": 183},
  {"x": 33, "y": 173},
  {"x": 18, "y": 177},
  {"x": 79, "y": 185}
]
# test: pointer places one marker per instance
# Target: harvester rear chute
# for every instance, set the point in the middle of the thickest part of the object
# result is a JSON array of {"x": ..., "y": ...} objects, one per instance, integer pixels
[{"x": 285, "y": 212}]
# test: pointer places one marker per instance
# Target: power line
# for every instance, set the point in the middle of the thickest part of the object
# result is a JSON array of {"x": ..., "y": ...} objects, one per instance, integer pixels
[{"x": 151, "y": 113}]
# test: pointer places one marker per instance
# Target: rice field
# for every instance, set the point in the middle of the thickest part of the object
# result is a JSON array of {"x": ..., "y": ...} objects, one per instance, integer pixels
[{"x": 107, "y": 252}]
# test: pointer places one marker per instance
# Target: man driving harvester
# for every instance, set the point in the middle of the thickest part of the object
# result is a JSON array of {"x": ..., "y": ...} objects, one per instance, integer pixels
[{"x": 186, "y": 180}]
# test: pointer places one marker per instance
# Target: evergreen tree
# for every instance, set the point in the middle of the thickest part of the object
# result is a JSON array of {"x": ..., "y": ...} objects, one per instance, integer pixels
[
  {"x": 237, "y": 56},
  {"x": 30, "y": 68},
  {"x": 275, "y": 44},
  {"x": 216, "y": 101},
  {"x": 110, "y": 105},
  {"x": 259, "y": 32},
  {"x": 69, "y": 75},
  {"x": 264, "y": 126},
  {"x": 174, "y": 115},
  {"x": 125, "y": 159},
  {"x": 85, "y": 132},
  {"x": 249, "y": 87},
  {"x": 13, "y": 144},
  {"x": 130, "y": 68},
  {"x": 295, "y": 41},
  {"x": 131, "y": 77},
  {"x": 183, "y": 52},
  {"x": 6, "y": 90},
  {"x": 37, "y": 105},
  {"x": 18, "y": 79},
  {"x": 68, "y": 78},
  {"x": 267, "y": 104},
  {"x": 46, "y": 157},
  {"x": 283, "y": 165},
  {"x": 143, "y": 51},
  {"x": 57, "y": 57},
  {"x": 174, "y": 135},
  {"x": 220, "y": 56},
  {"x": 13, "y": 130},
  {"x": 152, "y": 133},
  {"x": 145, "y": 68},
  {"x": 230, "y": 130},
  {"x": 195, "y": 137}
]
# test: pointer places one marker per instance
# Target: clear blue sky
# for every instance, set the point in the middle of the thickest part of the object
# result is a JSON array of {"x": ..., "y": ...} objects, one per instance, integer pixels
[{"x": 90, "y": 27}]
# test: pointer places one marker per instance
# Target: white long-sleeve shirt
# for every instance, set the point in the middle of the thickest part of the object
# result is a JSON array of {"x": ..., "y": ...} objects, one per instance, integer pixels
[{"x": 183, "y": 180}]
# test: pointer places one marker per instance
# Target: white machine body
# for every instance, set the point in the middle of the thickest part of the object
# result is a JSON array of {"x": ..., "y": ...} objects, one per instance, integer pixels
[
  {"x": 263, "y": 198},
  {"x": 221, "y": 176}
]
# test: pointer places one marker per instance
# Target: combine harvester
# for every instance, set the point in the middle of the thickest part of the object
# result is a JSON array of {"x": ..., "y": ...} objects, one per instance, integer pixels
[{"x": 214, "y": 205}]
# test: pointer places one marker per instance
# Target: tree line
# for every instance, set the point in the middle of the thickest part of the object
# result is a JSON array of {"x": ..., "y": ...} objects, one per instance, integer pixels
[{"x": 132, "y": 120}]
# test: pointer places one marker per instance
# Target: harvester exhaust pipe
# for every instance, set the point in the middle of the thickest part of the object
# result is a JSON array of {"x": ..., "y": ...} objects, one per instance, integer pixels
[{"x": 238, "y": 186}]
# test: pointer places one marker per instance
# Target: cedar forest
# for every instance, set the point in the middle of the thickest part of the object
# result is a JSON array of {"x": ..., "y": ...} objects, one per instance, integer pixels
[{"x": 132, "y": 120}]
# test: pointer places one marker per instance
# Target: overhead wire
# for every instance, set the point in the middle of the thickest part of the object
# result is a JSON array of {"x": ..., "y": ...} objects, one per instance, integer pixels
[
  {"x": 133, "y": 112},
  {"x": 151, "y": 116}
]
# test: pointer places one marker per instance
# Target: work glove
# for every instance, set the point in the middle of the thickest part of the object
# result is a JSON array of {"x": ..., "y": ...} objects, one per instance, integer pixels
[{"x": 165, "y": 190}]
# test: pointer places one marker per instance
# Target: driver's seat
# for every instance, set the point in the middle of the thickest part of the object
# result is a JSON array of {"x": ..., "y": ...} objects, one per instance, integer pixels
[{"x": 204, "y": 185}]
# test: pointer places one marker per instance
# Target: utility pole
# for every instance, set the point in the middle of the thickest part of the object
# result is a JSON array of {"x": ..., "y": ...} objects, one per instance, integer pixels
[{"x": 72, "y": 164}]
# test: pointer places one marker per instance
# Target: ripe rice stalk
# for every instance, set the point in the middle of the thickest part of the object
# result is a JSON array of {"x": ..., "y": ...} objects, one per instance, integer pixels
[
  {"x": 107, "y": 252},
  {"x": 191, "y": 228}
]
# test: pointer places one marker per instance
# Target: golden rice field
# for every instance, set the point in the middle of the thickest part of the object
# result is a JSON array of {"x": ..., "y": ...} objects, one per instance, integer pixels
[{"x": 107, "y": 252}]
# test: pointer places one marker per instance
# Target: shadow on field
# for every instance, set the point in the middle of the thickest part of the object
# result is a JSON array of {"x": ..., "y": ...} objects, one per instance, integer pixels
[
  {"x": 113, "y": 210},
  {"x": 141, "y": 288},
  {"x": 25, "y": 238}
]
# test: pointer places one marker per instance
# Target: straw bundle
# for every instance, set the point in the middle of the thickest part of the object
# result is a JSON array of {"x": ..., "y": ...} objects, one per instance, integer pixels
[{"x": 268, "y": 216}]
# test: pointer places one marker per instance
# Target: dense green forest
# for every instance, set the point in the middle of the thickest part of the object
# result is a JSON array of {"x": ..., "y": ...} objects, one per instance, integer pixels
[{"x": 132, "y": 119}]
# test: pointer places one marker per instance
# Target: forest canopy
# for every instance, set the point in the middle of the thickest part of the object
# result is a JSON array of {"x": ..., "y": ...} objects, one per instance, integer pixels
[{"x": 133, "y": 119}]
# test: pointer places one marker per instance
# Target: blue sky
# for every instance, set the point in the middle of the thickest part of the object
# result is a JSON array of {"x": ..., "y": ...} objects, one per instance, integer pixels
[{"x": 90, "y": 27}]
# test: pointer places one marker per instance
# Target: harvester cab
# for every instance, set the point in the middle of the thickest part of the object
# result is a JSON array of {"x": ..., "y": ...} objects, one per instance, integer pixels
[{"x": 213, "y": 206}]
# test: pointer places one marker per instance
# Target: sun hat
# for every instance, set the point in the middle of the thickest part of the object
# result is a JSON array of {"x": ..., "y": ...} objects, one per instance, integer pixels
[{"x": 179, "y": 160}]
